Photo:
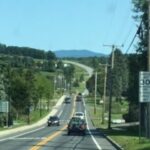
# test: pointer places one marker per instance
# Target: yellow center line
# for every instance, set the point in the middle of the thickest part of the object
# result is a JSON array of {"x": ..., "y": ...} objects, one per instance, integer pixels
[{"x": 51, "y": 137}]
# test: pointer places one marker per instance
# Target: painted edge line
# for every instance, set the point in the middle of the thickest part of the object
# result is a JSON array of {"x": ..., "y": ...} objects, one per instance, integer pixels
[{"x": 93, "y": 138}]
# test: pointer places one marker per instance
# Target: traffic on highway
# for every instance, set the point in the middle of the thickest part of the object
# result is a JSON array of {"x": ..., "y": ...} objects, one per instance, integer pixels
[{"x": 67, "y": 130}]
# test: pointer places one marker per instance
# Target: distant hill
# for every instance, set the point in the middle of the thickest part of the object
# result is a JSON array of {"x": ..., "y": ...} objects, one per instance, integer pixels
[{"x": 77, "y": 53}]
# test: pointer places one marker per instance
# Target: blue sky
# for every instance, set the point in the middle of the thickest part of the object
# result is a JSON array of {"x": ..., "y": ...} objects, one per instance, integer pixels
[{"x": 67, "y": 24}]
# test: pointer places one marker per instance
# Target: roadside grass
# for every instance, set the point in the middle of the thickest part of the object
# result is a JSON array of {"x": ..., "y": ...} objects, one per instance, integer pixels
[
  {"x": 80, "y": 74},
  {"x": 126, "y": 137},
  {"x": 34, "y": 117}
]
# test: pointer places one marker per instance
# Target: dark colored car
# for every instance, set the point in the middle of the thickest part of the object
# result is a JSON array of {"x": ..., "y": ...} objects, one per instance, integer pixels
[
  {"x": 53, "y": 120},
  {"x": 77, "y": 125},
  {"x": 79, "y": 98},
  {"x": 67, "y": 100}
]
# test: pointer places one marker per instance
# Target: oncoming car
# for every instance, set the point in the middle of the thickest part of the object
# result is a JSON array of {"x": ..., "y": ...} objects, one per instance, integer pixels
[
  {"x": 77, "y": 125},
  {"x": 67, "y": 100},
  {"x": 53, "y": 120}
]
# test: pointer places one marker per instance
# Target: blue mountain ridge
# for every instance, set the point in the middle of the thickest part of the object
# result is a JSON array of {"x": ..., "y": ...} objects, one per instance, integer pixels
[{"x": 77, "y": 53}]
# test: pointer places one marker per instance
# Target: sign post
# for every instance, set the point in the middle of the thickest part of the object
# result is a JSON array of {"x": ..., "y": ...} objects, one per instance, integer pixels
[
  {"x": 144, "y": 87},
  {"x": 144, "y": 95},
  {"x": 4, "y": 106}
]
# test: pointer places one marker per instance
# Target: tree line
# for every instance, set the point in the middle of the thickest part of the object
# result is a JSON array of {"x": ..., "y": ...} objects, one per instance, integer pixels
[
  {"x": 30, "y": 84},
  {"x": 26, "y": 51},
  {"x": 22, "y": 81}
]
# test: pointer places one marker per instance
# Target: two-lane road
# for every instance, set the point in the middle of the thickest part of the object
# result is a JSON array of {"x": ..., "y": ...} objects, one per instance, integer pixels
[{"x": 55, "y": 137}]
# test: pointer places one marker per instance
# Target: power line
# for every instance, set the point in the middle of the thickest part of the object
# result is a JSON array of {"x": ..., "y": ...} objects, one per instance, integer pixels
[
  {"x": 137, "y": 32},
  {"x": 128, "y": 34}
]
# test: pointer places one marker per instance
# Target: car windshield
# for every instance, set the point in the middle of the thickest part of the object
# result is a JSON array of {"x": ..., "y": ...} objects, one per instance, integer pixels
[
  {"x": 76, "y": 121},
  {"x": 53, "y": 118},
  {"x": 79, "y": 114}
]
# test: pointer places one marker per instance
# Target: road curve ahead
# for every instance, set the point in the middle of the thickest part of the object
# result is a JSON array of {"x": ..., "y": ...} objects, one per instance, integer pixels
[{"x": 88, "y": 69}]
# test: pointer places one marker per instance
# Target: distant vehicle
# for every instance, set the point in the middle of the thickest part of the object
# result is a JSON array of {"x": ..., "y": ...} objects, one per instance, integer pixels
[
  {"x": 67, "y": 100},
  {"x": 79, "y": 97},
  {"x": 79, "y": 114},
  {"x": 77, "y": 125},
  {"x": 53, "y": 120}
]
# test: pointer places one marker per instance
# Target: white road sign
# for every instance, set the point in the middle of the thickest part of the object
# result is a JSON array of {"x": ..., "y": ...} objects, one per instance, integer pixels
[
  {"x": 144, "y": 86},
  {"x": 4, "y": 107}
]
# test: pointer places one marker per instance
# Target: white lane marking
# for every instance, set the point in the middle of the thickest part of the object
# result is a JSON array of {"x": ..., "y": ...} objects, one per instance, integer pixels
[
  {"x": 28, "y": 138},
  {"x": 21, "y": 134},
  {"x": 93, "y": 138}
]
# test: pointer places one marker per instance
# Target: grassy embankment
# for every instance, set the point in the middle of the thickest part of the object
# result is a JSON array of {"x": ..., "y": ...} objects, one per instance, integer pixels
[{"x": 126, "y": 137}]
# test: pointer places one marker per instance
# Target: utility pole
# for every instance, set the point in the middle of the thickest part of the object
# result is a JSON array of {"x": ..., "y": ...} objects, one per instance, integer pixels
[
  {"x": 111, "y": 83},
  {"x": 104, "y": 95},
  {"x": 148, "y": 104},
  {"x": 110, "y": 86},
  {"x": 148, "y": 35},
  {"x": 95, "y": 92}
]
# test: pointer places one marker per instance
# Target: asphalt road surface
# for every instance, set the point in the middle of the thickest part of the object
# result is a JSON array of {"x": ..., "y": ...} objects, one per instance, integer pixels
[{"x": 55, "y": 137}]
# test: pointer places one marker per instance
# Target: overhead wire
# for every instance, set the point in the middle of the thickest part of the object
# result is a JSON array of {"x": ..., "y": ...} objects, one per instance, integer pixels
[
  {"x": 127, "y": 35},
  {"x": 123, "y": 24},
  {"x": 137, "y": 32}
]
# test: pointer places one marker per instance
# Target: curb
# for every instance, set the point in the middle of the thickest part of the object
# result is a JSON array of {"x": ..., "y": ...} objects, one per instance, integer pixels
[{"x": 116, "y": 145}]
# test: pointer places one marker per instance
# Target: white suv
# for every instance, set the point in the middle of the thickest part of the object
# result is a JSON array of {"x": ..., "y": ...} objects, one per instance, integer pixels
[{"x": 79, "y": 114}]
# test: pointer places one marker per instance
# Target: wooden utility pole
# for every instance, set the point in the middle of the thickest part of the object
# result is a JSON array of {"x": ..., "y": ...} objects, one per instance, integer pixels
[
  {"x": 110, "y": 86},
  {"x": 95, "y": 92},
  {"x": 104, "y": 95},
  {"x": 148, "y": 35},
  {"x": 148, "y": 104},
  {"x": 111, "y": 83}
]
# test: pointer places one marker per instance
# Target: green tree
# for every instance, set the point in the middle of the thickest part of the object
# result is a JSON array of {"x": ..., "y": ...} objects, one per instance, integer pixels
[
  {"x": 141, "y": 15},
  {"x": 44, "y": 91},
  {"x": 69, "y": 73},
  {"x": 2, "y": 88},
  {"x": 119, "y": 74}
]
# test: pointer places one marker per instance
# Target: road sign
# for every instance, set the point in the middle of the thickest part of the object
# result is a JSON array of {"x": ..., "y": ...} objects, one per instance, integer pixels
[
  {"x": 4, "y": 107},
  {"x": 144, "y": 86}
]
